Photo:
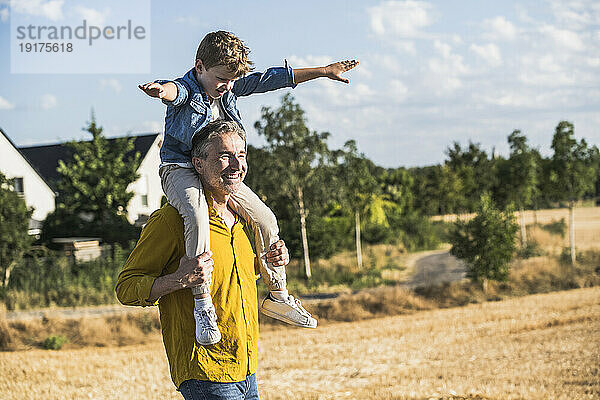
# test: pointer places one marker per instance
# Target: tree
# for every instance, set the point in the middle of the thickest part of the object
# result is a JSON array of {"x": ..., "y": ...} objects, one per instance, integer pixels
[
  {"x": 95, "y": 181},
  {"x": 573, "y": 172},
  {"x": 14, "y": 224},
  {"x": 486, "y": 243},
  {"x": 357, "y": 187},
  {"x": 475, "y": 171},
  {"x": 92, "y": 188},
  {"x": 522, "y": 176},
  {"x": 296, "y": 153}
]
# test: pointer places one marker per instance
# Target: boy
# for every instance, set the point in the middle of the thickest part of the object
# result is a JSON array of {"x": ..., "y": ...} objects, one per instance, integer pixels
[{"x": 206, "y": 93}]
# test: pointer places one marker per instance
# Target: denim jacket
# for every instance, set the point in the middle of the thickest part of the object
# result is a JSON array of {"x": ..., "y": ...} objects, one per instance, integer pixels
[{"x": 190, "y": 111}]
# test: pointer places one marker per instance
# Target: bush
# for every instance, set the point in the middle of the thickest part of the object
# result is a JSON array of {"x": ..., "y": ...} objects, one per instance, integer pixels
[
  {"x": 486, "y": 242},
  {"x": 54, "y": 342},
  {"x": 556, "y": 227},
  {"x": 531, "y": 249}
]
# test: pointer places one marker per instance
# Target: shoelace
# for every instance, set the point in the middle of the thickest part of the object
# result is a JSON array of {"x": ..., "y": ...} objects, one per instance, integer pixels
[
  {"x": 210, "y": 314},
  {"x": 296, "y": 302}
]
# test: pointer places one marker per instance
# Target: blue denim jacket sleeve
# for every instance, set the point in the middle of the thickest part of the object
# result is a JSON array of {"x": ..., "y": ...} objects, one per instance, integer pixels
[
  {"x": 182, "y": 93},
  {"x": 260, "y": 82}
]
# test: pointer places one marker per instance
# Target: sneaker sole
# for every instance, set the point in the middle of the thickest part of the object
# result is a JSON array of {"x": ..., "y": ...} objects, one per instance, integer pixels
[
  {"x": 283, "y": 318},
  {"x": 207, "y": 343}
]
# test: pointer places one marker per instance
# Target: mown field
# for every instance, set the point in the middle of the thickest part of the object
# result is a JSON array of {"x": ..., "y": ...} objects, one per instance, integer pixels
[
  {"x": 534, "y": 347},
  {"x": 587, "y": 225}
]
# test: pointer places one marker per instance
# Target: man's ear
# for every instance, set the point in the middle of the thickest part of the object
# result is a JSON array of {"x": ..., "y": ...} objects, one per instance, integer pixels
[{"x": 196, "y": 164}]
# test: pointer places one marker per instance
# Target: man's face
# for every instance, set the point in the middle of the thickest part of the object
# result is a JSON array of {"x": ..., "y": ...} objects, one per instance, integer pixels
[
  {"x": 225, "y": 167},
  {"x": 216, "y": 81}
]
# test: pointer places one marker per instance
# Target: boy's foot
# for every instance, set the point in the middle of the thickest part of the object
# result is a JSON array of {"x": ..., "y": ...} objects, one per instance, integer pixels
[
  {"x": 207, "y": 331},
  {"x": 289, "y": 311}
]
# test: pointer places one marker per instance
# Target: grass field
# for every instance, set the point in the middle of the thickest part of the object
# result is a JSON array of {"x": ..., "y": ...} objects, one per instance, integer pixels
[
  {"x": 587, "y": 226},
  {"x": 535, "y": 347}
]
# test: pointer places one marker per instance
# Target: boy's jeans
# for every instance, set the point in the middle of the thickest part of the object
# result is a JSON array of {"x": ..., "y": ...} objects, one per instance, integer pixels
[
  {"x": 194, "y": 389},
  {"x": 184, "y": 191}
]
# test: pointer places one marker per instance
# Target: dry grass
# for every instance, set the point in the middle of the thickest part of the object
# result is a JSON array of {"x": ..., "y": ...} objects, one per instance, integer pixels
[
  {"x": 587, "y": 226},
  {"x": 125, "y": 329},
  {"x": 534, "y": 347}
]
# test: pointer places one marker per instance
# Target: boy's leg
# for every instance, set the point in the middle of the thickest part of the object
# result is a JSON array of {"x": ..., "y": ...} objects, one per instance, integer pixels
[
  {"x": 184, "y": 191},
  {"x": 279, "y": 304}
]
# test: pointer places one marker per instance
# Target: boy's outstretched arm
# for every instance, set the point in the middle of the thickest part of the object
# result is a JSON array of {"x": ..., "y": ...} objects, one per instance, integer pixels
[
  {"x": 331, "y": 71},
  {"x": 167, "y": 91}
]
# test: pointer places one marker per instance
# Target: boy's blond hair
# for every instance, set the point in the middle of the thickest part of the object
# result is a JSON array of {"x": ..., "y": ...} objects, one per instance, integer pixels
[{"x": 224, "y": 48}]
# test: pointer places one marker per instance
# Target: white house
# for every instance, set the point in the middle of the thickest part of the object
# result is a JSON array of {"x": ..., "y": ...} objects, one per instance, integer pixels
[
  {"x": 28, "y": 182},
  {"x": 147, "y": 189}
]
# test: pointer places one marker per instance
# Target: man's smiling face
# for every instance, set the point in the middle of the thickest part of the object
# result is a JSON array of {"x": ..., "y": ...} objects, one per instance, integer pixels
[{"x": 225, "y": 166}]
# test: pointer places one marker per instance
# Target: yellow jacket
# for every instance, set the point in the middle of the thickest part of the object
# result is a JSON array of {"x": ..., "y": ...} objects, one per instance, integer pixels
[{"x": 233, "y": 292}]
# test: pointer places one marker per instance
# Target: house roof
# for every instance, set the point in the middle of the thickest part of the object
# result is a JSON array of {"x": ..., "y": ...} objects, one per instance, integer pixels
[
  {"x": 32, "y": 165},
  {"x": 45, "y": 158}
]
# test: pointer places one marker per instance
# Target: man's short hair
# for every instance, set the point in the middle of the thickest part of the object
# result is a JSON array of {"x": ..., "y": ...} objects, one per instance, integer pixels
[
  {"x": 202, "y": 139},
  {"x": 224, "y": 48}
]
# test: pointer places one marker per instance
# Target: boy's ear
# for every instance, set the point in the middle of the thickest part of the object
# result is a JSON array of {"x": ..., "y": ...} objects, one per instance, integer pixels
[{"x": 198, "y": 65}]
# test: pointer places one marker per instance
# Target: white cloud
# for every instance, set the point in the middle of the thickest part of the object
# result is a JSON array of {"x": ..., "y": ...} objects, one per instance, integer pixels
[
  {"x": 152, "y": 126},
  {"x": 51, "y": 9},
  {"x": 112, "y": 83},
  {"x": 563, "y": 37},
  {"x": 4, "y": 14},
  {"x": 398, "y": 90},
  {"x": 188, "y": 20},
  {"x": 48, "y": 101},
  {"x": 445, "y": 72},
  {"x": 405, "y": 46},
  {"x": 400, "y": 18},
  {"x": 499, "y": 28},
  {"x": 575, "y": 15},
  {"x": 309, "y": 61},
  {"x": 388, "y": 62},
  {"x": 490, "y": 53},
  {"x": 92, "y": 16},
  {"x": 5, "y": 104}
]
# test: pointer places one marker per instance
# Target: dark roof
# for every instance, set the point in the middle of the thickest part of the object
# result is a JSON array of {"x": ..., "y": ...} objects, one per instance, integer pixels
[
  {"x": 45, "y": 158},
  {"x": 28, "y": 160}
]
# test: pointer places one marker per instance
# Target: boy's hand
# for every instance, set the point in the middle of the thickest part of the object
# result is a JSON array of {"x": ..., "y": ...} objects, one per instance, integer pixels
[
  {"x": 335, "y": 70},
  {"x": 153, "y": 89},
  {"x": 278, "y": 254}
]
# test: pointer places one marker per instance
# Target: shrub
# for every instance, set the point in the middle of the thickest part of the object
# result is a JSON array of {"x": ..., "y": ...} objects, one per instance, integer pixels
[
  {"x": 556, "y": 227},
  {"x": 54, "y": 342},
  {"x": 486, "y": 242},
  {"x": 531, "y": 249}
]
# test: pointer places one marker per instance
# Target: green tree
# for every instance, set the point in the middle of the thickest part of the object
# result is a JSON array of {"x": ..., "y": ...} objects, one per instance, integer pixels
[
  {"x": 92, "y": 188},
  {"x": 357, "y": 187},
  {"x": 14, "y": 224},
  {"x": 95, "y": 181},
  {"x": 475, "y": 171},
  {"x": 573, "y": 171},
  {"x": 296, "y": 153},
  {"x": 486, "y": 243},
  {"x": 522, "y": 176}
]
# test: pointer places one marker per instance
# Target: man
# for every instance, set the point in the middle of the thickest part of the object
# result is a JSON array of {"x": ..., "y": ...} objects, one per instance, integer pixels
[{"x": 157, "y": 270}]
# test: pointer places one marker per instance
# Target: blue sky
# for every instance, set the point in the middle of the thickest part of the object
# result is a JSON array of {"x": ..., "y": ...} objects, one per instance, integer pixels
[{"x": 431, "y": 72}]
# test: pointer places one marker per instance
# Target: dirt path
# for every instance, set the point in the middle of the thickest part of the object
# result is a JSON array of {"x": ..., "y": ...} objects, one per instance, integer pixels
[{"x": 435, "y": 268}]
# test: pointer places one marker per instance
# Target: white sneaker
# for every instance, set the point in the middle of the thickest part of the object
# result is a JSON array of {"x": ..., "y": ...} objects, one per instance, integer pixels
[
  {"x": 207, "y": 331},
  {"x": 289, "y": 311}
]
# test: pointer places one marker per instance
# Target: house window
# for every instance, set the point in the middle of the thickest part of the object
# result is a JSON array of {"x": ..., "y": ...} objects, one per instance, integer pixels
[
  {"x": 18, "y": 186},
  {"x": 145, "y": 200}
]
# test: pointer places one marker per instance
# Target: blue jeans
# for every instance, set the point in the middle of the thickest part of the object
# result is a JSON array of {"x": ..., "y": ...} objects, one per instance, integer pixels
[{"x": 194, "y": 389}]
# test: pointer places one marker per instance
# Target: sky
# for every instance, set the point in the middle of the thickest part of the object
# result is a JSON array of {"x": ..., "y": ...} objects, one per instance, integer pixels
[{"x": 430, "y": 73}]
